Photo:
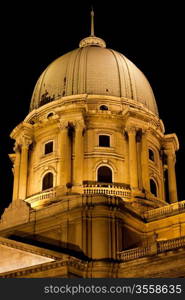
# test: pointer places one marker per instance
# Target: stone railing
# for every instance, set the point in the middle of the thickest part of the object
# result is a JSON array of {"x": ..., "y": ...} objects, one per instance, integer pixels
[
  {"x": 134, "y": 253},
  {"x": 112, "y": 189},
  {"x": 41, "y": 197},
  {"x": 155, "y": 248},
  {"x": 164, "y": 211},
  {"x": 163, "y": 246}
]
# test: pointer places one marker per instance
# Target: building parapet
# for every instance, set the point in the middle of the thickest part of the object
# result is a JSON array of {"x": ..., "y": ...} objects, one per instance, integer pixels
[
  {"x": 176, "y": 243},
  {"x": 134, "y": 253},
  {"x": 41, "y": 197},
  {"x": 164, "y": 211},
  {"x": 160, "y": 246}
]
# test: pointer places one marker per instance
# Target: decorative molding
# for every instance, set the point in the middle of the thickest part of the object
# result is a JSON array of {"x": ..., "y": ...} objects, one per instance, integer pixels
[
  {"x": 30, "y": 248},
  {"x": 68, "y": 262},
  {"x": 154, "y": 248},
  {"x": 63, "y": 124},
  {"x": 79, "y": 125}
]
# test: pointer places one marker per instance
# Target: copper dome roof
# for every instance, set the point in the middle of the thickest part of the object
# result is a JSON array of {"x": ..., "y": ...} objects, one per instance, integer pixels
[{"x": 95, "y": 70}]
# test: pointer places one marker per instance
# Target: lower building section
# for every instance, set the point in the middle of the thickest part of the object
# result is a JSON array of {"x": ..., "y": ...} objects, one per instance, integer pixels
[
  {"x": 135, "y": 263},
  {"x": 93, "y": 236}
]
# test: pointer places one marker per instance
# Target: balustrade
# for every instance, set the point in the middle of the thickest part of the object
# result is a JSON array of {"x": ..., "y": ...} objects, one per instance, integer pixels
[
  {"x": 45, "y": 195},
  {"x": 112, "y": 189},
  {"x": 171, "y": 244},
  {"x": 164, "y": 211},
  {"x": 134, "y": 253},
  {"x": 162, "y": 246}
]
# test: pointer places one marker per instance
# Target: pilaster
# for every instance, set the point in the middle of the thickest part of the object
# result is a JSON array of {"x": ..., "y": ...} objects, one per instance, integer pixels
[
  {"x": 144, "y": 162},
  {"x": 171, "y": 159},
  {"x": 64, "y": 154},
  {"x": 25, "y": 142},
  {"x": 79, "y": 153},
  {"x": 133, "y": 171},
  {"x": 16, "y": 172}
]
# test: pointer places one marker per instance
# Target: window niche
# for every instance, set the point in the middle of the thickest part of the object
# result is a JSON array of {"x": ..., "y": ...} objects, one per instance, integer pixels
[
  {"x": 104, "y": 141},
  {"x": 151, "y": 155},
  {"x": 104, "y": 174},
  {"x": 50, "y": 115},
  {"x": 48, "y": 147},
  {"x": 153, "y": 187},
  {"x": 104, "y": 107},
  {"x": 47, "y": 181}
]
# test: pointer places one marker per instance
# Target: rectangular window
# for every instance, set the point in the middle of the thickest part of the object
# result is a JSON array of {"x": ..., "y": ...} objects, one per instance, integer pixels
[
  {"x": 151, "y": 155},
  {"x": 104, "y": 141},
  {"x": 48, "y": 148}
]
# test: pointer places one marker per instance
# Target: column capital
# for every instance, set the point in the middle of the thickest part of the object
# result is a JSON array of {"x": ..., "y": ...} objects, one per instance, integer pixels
[
  {"x": 131, "y": 130},
  {"x": 170, "y": 153},
  {"x": 79, "y": 125},
  {"x": 63, "y": 124},
  {"x": 16, "y": 147},
  {"x": 25, "y": 141}
]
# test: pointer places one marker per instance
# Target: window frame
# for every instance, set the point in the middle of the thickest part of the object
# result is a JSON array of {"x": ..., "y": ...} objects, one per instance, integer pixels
[
  {"x": 50, "y": 115},
  {"x": 107, "y": 108},
  {"x": 104, "y": 165},
  {"x": 101, "y": 134},
  {"x": 42, "y": 181},
  {"x": 157, "y": 188},
  {"x": 44, "y": 147},
  {"x": 154, "y": 155}
]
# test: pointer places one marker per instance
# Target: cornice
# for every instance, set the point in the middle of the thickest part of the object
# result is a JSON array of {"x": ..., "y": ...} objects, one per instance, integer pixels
[
  {"x": 68, "y": 262},
  {"x": 22, "y": 130},
  {"x": 30, "y": 249},
  {"x": 171, "y": 142}
]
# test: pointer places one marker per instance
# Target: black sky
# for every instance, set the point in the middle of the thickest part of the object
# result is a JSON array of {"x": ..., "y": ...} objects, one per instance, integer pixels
[{"x": 33, "y": 35}]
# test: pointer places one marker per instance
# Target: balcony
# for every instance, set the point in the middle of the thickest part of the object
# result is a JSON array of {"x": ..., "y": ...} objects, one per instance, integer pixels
[{"x": 102, "y": 188}]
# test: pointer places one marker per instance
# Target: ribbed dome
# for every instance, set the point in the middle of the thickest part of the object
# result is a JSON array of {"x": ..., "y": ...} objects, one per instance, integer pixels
[{"x": 95, "y": 70}]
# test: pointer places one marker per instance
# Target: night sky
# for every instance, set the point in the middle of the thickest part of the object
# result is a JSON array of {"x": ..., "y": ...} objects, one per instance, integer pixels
[{"x": 150, "y": 35}]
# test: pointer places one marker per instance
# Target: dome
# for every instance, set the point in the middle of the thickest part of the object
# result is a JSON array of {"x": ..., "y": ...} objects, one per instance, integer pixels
[{"x": 95, "y": 70}]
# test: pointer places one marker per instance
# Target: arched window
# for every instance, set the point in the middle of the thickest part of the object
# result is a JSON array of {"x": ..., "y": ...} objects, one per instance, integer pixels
[
  {"x": 104, "y": 141},
  {"x": 104, "y": 107},
  {"x": 47, "y": 181},
  {"x": 50, "y": 115},
  {"x": 104, "y": 174},
  {"x": 153, "y": 187},
  {"x": 151, "y": 155}
]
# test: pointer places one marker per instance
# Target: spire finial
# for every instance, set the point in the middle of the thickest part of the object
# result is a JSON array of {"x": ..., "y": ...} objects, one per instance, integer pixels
[
  {"x": 92, "y": 21},
  {"x": 92, "y": 40}
]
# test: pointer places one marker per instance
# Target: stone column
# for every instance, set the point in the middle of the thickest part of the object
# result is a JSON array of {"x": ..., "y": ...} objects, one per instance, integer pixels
[
  {"x": 26, "y": 141},
  {"x": 79, "y": 154},
  {"x": 144, "y": 162},
  {"x": 139, "y": 150},
  {"x": 64, "y": 163},
  {"x": 133, "y": 158},
  {"x": 162, "y": 175},
  {"x": 171, "y": 176},
  {"x": 126, "y": 162},
  {"x": 16, "y": 172}
]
